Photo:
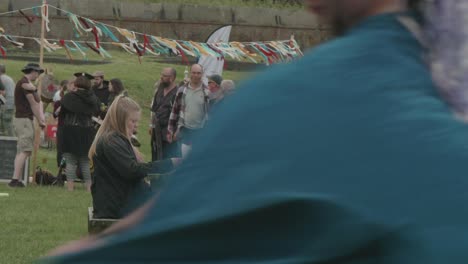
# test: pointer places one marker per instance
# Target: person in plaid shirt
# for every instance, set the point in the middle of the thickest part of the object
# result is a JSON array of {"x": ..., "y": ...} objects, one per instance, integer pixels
[{"x": 190, "y": 110}]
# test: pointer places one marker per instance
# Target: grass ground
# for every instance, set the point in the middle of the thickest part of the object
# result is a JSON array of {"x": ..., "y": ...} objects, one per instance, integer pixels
[{"x": 37, "y": 219}]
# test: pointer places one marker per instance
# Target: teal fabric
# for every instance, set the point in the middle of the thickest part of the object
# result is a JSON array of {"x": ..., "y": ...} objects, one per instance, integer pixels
[{"x": 377, "y": 174}]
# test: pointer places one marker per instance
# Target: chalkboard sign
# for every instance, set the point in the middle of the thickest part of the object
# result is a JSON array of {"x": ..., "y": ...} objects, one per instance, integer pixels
[{"x": 7, "y": 158}]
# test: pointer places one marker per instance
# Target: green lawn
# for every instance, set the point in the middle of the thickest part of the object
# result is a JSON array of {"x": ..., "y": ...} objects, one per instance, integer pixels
[{"x": 37, "y": 219}]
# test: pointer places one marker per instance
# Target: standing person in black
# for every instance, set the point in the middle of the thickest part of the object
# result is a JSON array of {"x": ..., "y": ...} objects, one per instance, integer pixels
[
  {"x": 101, "y": 90},
  {"x": 78, "y": 129},
  {"x": 166, "y": 89}
]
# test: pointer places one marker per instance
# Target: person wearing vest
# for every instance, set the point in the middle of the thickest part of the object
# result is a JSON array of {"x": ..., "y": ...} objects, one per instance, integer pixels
[{"x": 166, "y": 90}]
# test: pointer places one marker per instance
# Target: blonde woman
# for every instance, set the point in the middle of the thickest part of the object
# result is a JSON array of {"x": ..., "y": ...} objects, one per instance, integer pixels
[{"x": 118, "y": 169}]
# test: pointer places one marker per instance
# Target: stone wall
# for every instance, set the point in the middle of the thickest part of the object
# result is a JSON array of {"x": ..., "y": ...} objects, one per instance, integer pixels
[{"x": 188, "y": 22}]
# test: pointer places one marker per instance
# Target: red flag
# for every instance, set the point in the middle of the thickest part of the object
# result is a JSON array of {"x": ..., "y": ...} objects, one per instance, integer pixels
[
  {"x": 2, "y": 50},
  {"x": 96, "y": 37},
  {"x": 147, "y": 43},
  {"x": 30, "y": 19},
  {"x": 83, "y": 21},
  {"x": 93, "y": 48},
  {"x": 138, "y": 51},
  {"x": 62, "y": 43},
  {"x": 184, "y": 57}
]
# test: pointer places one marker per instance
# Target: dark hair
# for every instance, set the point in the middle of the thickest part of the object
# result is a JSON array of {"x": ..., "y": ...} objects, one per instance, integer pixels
[
  {"x": 83, "y": 82},
  {"x": 63, "y": 87},
  {"x": 117, "y": 86},
  {"x": 63, "y": 83}
]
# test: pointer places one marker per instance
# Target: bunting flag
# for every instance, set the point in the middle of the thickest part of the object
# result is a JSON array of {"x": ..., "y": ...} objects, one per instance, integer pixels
[
  {"x": 80, "y": 49},
  {"x": 3, "y": 51},
  {"x": 130, "y": 36},
  {"x": 106, "y": 32},
  {"x": 95, "y": 49},
  {"x": 64, "y": 45},
  {"x": 104, "y": 53},
  {"x": 37, "y": 11},
  {"x": 28, "y": 18},
  {"x": 268, "y": 52},
  {"x": 12, "y": 41},
  {"x": 45, "y": 16},
  {"x": 50, "y": 47}
]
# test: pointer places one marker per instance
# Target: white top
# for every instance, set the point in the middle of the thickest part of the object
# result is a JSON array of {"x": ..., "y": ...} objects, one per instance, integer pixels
[{"x": 57, "y": 96}]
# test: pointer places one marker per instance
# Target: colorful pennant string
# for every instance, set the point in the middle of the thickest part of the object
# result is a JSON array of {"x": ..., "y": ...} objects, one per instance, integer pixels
[{"x": 257, "y": 52}]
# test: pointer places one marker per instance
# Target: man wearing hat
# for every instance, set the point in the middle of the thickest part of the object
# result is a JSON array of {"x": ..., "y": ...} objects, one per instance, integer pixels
[
  {"x": 101, "y": 90},
  {"x": 214, "y": 85},
  {"x": 27, "y": 103}
]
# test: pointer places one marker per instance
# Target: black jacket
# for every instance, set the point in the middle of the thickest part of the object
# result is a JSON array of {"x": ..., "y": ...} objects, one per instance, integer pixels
[
  {"x": 78, "y": 131},
  {"x": 117, "y": 175}
]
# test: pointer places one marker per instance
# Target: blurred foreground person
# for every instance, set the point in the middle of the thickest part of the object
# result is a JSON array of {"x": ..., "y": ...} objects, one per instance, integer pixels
[{"x": 372, "y": 171}]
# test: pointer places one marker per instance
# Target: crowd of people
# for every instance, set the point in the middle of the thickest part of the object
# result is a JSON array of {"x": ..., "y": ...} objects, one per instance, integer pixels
[{"x": 97, "y": 123}]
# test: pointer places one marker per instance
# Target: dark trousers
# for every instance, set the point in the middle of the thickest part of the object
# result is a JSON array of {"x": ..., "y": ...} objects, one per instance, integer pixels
[{"x": 169, "y": 150}]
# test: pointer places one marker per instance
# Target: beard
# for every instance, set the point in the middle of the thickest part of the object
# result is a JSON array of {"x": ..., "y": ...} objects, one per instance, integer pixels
[{"x": 164, "y": 84}]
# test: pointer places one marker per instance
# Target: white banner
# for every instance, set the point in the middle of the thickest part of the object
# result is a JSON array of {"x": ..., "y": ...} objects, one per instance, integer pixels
[{"x": 210, "y": 64}]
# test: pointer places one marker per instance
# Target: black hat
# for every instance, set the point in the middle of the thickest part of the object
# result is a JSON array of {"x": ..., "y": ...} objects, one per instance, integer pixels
[
  {"x": 215, "y": 78},
  {"x": 32, "y": 67},
  {"x": 84, "y": 74}
]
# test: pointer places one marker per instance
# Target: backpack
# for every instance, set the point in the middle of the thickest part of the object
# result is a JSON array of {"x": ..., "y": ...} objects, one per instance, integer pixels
[{"x": 44, "y": 177}]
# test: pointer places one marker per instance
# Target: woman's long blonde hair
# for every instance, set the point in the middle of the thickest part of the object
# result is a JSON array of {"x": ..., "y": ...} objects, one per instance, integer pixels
[{"x": 115, "y": 120}]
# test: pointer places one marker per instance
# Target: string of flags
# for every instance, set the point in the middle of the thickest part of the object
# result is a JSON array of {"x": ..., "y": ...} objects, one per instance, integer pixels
[{"x": 140, "y": 44}]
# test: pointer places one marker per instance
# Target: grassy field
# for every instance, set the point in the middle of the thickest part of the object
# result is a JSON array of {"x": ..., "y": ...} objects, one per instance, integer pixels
[{"x": 37, "y": 219}]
